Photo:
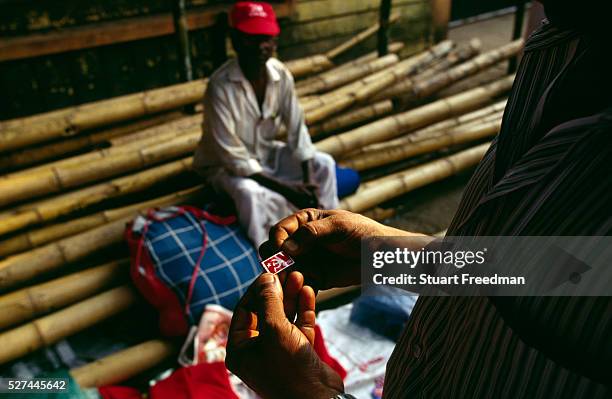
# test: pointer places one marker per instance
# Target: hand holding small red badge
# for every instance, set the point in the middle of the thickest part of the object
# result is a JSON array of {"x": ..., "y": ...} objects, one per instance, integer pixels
[{"x": 270, "y": 353}]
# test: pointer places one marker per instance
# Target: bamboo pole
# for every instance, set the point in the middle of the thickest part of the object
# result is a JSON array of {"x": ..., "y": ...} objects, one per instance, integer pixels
[
  {"x": 47, "y": 330},
  {"x": 169, "y": 138},
  {"x": 16, "y": 134},
  {"x": 182, "y": 125},
  {"x": 36, "y": 238},
  {"x": 30, "y": 302},
  {"x": 44, "y": 171},
  {"x": 489, "y": 118},
  {"x": 346, "y": 119},
  {"x": 426, "y": 87},
  {"x": 392, "y": 126},
  {"x": 17, "y": 122},
  {"x": 336, "y": 51},
  {"x": 307, "y": 99},
  {"x": 456, "y": 56},
  {"x": 123, "y": 365},
  {"x": 410, "y": 148},
  {"x": 485, "y": 114},
  {"x": 394, "y": 48},
  {"x": 307, "y": 65},
  {"x": 29, "y": 156},
  {"x": 385, "y": 77},
  {"x": 321, "y": 83},
  {"x": 319, "y": 62},
  {"x": 52, "y": 208},
  {"x": 440, "y": 128},
  {"x": 487, "y": 111},
  {"x": 328, "y": 108},
  {"x": 395, "y": 73},
  {"x": 352, "y": 117},
  {"x": 377, "y": 181},
  {"x": 153, "y": 136},
  {"x": 345, "y": 96},
  {"x": 73, "y": 175},
  {"x": 23, "y": 267},
  {"x": 400, "y": 183},
  {"x": 426, "y": 84}
]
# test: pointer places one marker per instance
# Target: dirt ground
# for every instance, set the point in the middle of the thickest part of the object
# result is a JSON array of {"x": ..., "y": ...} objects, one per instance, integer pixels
[{"x": 430, "y": 209}]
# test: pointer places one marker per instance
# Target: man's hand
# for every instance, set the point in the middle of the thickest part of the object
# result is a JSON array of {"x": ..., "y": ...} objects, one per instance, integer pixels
[
  {"x": 326, "y": 245},
  {"x": 272, "y": 355},
  {"x": 302, "y": 195},
  {"x": 309, "y": 184}
]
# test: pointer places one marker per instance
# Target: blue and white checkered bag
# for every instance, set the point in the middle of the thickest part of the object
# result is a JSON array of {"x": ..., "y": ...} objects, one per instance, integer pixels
[{"x": 184, "y": 258}]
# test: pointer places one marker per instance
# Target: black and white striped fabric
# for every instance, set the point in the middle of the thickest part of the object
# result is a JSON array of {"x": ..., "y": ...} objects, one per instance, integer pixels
[{"x": 547, "y": 173}]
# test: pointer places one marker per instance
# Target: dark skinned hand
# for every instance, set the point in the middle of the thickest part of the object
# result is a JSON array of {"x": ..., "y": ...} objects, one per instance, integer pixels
[
  {"x": 272, "y": 354},
  {"x": 303, "y": 195},
  {"x": 326, "y": 244}
]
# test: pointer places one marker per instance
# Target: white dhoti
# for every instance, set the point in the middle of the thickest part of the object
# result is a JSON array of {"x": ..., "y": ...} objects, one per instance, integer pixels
[{"x": 260, "y": 208}]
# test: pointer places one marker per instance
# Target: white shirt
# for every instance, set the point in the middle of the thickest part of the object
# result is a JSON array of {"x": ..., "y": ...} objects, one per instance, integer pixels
[{"x": 238, "y": 136}]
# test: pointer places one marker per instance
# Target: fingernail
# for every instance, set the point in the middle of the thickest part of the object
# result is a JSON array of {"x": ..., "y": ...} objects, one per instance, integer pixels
[
  {"x": 291, "y": 246},
  {"x": 269, "y": 280}
]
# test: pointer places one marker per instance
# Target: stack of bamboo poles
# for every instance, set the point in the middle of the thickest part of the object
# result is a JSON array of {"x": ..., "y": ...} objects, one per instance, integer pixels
[
  {"x": 30, "y": 156},
  {"x": 23, "y": 132},
  {"x": 370, "y": 87},
  {"x": 336, "y": 76},
  {"x": 46, "y": 210},
  {"x": 425, "y": 140},
  {"x": 393, "y": 126},
  {"x": 379, "y": 103},
  {"x": 55, "y": 216},
  {"x": 322, "y": 107}
]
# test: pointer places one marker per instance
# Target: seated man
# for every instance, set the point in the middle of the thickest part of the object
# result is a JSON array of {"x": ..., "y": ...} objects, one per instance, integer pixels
[{"x": 246, "y": 102}]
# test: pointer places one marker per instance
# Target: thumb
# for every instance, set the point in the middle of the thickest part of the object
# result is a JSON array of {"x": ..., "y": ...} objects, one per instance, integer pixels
[{"x": 269, "y": 301}]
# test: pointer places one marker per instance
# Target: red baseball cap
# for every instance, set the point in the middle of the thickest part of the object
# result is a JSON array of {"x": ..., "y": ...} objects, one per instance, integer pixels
[{"x": 254, "y": 18}]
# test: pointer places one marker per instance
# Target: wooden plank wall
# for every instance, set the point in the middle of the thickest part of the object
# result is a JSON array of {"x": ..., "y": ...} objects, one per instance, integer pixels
[
  {"x": 47, "y": 82},
  {"x": 43, "y": 83},
  {"x": 321, "y": 24}
]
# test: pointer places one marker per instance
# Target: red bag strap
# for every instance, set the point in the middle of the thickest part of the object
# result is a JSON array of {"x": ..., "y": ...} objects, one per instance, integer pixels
[{"x": 217, "y": 219}]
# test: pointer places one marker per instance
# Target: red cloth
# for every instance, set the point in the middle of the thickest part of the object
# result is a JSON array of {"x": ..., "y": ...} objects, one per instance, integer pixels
[
  {"x": 254, "y": 18},
  {"x": 118, "y": 392},
  {"x": 321, "y": 349},
  {"x": 203, "y": 381},
  {"x": 206, "y": 380}
]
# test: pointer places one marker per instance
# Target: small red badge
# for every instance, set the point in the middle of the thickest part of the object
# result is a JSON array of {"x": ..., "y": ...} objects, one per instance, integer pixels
[{"x": 277, "y": 262}]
